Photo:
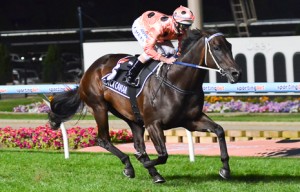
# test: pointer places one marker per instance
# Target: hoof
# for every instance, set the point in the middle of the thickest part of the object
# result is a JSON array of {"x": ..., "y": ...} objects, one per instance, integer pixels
[
  {"x": 158, "y": 179},
  {"x": 129, "y": 173},
  {"x": 224, "y": 173}
]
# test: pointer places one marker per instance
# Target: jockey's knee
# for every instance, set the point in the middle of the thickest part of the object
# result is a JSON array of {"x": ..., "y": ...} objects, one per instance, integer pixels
[
  {"x": 144, "y": 58},
  {"x": 170, "y": 50}
]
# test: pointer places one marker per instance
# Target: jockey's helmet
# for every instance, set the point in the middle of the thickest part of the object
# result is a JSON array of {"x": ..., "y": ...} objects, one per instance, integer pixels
[{"x": 183, "y": 15}]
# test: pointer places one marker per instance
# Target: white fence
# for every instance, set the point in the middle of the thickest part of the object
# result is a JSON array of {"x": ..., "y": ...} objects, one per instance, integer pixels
[
  {"x": 214, "y": 88},
  {"x": 256, "y": 88}
]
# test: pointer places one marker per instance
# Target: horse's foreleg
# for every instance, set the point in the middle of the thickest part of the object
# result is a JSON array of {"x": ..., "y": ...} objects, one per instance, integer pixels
[
  {"x": 205, "y": 123},
  {"x": 157, "y": 137},
  {"x": 141, "y": 155},
  {"x": 225, "y": 171},
  {"x": 103, "y": 140}
]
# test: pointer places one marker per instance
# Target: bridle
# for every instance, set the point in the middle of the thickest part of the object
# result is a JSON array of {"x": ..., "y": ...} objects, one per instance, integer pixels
[{"x": 207, "y": 50}]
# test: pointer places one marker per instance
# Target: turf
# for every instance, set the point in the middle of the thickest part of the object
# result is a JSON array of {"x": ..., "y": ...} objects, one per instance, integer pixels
[{"x": 49, "y": 171}]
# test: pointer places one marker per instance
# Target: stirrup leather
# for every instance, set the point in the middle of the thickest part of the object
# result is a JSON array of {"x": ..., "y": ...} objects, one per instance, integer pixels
[{"x": 131, "y": 77}]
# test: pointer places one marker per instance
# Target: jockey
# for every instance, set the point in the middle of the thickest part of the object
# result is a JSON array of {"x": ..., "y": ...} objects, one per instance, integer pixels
[{"x": 154, "y": 32}]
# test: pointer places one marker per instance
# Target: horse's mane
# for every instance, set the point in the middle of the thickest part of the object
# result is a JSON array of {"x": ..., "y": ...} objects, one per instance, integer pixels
[{"x": 192, "y": 37}]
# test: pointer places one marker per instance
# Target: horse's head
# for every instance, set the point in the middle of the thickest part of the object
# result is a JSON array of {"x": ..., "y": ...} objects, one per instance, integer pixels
[
  {"x": 218, "y": 55},
  {"x": 215, "y": 53}
]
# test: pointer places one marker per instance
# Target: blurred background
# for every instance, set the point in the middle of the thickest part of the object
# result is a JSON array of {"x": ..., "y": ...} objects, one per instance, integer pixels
[{"x": 42, "y": 39}]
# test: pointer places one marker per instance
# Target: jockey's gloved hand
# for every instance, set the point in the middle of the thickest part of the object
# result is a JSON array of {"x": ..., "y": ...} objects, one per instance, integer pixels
[{"x": 177, "y": 54}]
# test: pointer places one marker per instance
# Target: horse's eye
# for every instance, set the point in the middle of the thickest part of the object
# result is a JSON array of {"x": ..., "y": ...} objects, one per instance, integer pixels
[{"x": 216, "y": 48}]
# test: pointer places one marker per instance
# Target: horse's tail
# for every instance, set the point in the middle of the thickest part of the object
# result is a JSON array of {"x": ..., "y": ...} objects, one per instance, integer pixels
[{"x": 64, "y": 106}]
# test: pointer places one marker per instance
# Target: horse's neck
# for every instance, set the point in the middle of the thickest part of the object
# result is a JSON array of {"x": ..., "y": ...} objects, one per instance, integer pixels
[
  {"x": 185, "y": 78},
  {"x": 196, "y": 53},
  {"x": 190, "y": 77}
]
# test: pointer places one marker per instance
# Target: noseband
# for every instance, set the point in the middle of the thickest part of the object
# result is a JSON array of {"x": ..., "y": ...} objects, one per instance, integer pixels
[{"x": 207, "y": 49}]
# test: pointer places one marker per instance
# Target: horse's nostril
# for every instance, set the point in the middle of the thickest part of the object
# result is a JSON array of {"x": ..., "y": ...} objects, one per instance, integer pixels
[{"x": 235, "y": 74}]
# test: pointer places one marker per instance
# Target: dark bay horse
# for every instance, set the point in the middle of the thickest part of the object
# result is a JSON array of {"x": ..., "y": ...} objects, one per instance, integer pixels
[{"x": 173, "y": 97}]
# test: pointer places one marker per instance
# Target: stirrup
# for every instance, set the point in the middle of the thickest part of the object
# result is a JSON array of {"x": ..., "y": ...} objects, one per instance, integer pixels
[{"x": 135, "y": 83}]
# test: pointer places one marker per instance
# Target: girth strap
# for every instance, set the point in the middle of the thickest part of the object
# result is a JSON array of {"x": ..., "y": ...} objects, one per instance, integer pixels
[
  {"x": 169, "y": 84},
  {"x": 134, "y": 106}
]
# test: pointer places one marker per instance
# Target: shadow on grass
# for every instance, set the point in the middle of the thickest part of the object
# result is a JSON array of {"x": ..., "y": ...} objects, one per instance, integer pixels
[
  {"x": 254, "y": 178},
  {"x": 249, "y": 179}
]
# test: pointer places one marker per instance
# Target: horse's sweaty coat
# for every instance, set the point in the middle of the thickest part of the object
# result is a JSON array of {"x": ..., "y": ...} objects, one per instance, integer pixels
[{"x": 171, "y": 98}]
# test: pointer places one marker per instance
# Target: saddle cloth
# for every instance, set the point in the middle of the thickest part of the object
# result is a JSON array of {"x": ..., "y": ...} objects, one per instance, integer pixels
[{"x": 115, "y": 80}]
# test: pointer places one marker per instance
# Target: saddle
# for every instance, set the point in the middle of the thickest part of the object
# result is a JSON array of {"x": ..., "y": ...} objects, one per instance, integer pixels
[{"x": 115, "y": 82}]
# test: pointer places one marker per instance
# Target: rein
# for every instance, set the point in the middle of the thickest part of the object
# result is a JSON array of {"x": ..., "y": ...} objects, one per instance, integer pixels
[
  {"x": 207, "y": 49},
  {"x": 195, "y": 66}
]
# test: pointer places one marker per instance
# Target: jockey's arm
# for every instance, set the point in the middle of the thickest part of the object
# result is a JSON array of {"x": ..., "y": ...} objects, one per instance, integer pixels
[
  {"x": 150, "y": 48},
  {"x": 151, "y": 52}
]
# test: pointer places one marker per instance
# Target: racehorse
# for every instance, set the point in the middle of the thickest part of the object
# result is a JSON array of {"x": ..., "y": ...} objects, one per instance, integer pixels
[{"x": 173, "y": 97}]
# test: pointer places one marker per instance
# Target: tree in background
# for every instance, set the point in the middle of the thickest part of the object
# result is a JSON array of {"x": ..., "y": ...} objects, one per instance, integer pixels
[
  {"x": 5, "y": 66},
  {"x": 52, "y": 65}
]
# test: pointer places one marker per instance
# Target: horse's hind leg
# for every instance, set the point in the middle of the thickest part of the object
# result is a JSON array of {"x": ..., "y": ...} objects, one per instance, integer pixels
[
  {"x": 141, "y": 155},
  {"x": 205, "y": 123},
  {"x": 101, "y": 117},
  {"x": 157, "y": 136}
]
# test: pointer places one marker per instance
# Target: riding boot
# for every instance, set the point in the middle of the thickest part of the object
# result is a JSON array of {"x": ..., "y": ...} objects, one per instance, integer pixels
[{"x": 133, "y": 73}]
